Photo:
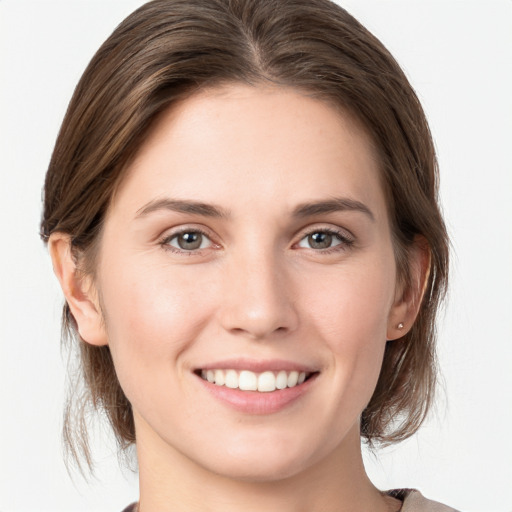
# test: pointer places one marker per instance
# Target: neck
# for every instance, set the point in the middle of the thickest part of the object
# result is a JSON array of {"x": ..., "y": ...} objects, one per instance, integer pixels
[{"x": 171, "y": 482}]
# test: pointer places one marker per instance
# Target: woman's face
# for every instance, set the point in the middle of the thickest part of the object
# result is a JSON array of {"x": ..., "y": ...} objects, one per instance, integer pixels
[{"x": 249, "y": 245}]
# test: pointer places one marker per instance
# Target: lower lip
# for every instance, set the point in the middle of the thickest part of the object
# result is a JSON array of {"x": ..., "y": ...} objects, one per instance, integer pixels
[{"x": 254, "y": 402}]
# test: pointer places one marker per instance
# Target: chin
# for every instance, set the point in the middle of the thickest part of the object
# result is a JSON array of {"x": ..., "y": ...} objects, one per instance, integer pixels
[
  {"x": 257, "y": 471},
  {"x": 270, "y": 464}
]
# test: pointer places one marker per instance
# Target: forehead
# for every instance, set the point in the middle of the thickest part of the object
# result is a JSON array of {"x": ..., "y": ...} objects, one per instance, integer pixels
[{"x": 239, "y": 143}]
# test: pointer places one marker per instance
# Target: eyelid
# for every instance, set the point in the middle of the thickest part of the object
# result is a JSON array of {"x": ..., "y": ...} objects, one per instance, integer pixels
[
  {"x": 335, "y": 230},
  {"x": 346, "y": 238},
  {"x": 344, "y": 235},
  {"x": 168, "y": 235}
]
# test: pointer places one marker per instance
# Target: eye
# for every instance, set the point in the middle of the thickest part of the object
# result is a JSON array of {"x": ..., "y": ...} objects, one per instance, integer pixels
[
  {"x": 190, "y": 240},
  {"x": 324, "y": 239}
]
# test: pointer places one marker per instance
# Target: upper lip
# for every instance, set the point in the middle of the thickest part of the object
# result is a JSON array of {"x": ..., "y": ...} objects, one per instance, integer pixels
[{"x": 259, "y": 365}]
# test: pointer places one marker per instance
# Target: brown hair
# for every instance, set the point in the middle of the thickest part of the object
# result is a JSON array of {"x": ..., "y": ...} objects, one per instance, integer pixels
[{"x": 169, "y": 49}]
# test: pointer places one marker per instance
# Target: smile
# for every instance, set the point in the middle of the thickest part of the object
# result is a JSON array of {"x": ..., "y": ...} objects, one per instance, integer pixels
[{"x": 246, "y": 380}]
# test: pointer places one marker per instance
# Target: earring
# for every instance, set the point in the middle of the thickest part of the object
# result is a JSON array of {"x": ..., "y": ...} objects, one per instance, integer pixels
[{"x": 400, "y": 326}]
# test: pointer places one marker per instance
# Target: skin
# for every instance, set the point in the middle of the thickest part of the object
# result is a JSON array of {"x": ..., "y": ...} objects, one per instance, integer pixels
[{"x": 256, "y": 289}]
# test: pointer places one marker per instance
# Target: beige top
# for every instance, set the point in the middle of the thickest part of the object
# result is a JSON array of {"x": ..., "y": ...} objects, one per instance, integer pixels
[{"x": 414, "y": 501}]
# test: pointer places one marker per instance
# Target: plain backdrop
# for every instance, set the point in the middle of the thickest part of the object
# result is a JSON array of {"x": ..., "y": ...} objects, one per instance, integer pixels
[{"x": 458, "y": 56}]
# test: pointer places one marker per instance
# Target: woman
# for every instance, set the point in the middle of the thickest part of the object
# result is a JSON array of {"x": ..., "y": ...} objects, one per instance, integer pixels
[{"x": 241, "y": 209}]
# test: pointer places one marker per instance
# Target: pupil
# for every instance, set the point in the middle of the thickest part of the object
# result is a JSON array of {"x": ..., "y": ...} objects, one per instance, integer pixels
[
  {"x": 190, "y": 240},
  {"x": 320, "y": 240}
]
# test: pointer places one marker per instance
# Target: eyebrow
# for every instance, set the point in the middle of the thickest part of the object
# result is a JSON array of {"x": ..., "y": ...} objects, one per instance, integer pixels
[
  {"x": 303, "y": 210},
  {"x": 333, "y": 205},
  {"x": 182, "y": 206}
]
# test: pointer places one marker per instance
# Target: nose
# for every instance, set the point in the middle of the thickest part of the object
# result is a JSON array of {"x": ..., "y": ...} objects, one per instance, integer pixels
[{"x": 257, "y": 299}]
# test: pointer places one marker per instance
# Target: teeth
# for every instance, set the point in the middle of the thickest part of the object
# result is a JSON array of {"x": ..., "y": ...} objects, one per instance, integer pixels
[
  {"x": 249, "y": 381},
  {"x": 231, "y": 379},
  {"x": 281, "y": 380},
  {"x": 266, "y": 382},
  {"x": 293, "y": 377},
  {"x": 219, "y": 378}
]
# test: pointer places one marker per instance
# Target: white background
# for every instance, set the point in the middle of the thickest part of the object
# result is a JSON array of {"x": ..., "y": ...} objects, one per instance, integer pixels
[{"x": 458, "y": 56}]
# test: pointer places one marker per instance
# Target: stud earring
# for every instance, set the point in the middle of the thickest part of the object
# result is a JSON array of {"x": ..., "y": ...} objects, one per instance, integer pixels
[{"x": 400, "y": 326}]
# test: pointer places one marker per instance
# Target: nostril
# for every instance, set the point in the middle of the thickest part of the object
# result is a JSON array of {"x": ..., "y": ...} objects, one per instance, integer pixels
[{"x": 258, "y": 305}]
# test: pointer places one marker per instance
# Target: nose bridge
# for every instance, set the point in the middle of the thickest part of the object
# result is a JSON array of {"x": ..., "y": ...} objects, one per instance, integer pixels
[{"x": 257, "y": 294}]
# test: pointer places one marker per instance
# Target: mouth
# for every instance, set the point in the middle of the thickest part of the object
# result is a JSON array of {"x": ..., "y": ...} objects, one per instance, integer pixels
[
  {"x": 258, "y": 387},
  {"x": 247, "y": 380}
]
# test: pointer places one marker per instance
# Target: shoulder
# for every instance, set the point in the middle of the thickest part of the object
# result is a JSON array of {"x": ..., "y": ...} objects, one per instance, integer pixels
[{"x": 414, "y": 501}]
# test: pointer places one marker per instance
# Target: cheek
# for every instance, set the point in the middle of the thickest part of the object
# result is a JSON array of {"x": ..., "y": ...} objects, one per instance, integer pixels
[
  {"x": 353, "y": 305},
  {"x": 152, "y": 315},
  {"x": 351, "y": 316}
]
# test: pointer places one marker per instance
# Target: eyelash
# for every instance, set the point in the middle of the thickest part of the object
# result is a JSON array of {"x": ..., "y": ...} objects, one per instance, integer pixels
[
  {"x": 346, "y": 242},
  {"x": 165, "y": 241}
]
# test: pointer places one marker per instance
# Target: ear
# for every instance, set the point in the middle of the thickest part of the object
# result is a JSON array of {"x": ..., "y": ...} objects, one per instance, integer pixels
[
  {"x": 408, "y": 296},
  {"x": 79, "y": 291}
]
